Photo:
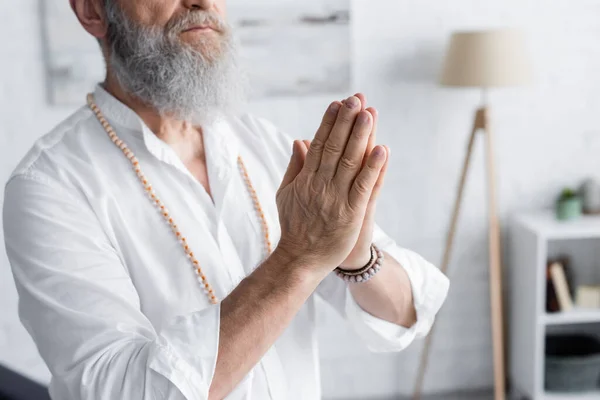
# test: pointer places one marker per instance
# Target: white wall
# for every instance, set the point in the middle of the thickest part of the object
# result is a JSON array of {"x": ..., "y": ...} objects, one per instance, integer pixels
[{"x": 547, "y": 136}]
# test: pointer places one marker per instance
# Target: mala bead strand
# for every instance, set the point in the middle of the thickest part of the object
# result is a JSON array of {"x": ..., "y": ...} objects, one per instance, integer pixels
[
  {"x": 257, "y": 206},
  {"x": 202, "y": 280}
]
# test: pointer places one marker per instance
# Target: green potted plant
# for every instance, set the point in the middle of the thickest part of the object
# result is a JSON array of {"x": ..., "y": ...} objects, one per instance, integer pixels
[{"x": 569, "y": 205}]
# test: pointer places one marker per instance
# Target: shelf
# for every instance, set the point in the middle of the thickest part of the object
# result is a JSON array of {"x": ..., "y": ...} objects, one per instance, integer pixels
[
  {"x": 535, "y": 238},
  {"x": 595, "y": 395},
  {"x": 575, "y": 316},
  {"x": 545, "y": 224}
]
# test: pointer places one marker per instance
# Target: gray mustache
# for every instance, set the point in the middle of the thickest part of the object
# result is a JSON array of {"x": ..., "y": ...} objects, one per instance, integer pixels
[{"x": 194, "y": 18}]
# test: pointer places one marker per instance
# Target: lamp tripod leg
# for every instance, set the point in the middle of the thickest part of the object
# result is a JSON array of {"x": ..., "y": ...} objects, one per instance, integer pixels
[
  {"x": 495, "y": 262},
  {"x": 477, "y": 124}
]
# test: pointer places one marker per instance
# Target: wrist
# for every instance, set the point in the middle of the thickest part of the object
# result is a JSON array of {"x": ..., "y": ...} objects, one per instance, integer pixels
[
  {"x": 298, "y": 267},
  {"x": 357, "y": 262},
  {"x": 367, "y": 271}
]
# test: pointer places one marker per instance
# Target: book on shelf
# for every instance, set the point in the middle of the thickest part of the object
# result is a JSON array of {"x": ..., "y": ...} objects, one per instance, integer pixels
[
  {"x": 588, "y": 297},
  {"x": 551, "y": 299},
  {"x": 561, "y": 286},
  {"x": 552, "y": 304}
]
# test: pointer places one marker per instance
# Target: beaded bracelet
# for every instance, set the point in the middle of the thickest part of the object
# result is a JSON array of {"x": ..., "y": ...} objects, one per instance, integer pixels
[{"x": 366, "y": 272}]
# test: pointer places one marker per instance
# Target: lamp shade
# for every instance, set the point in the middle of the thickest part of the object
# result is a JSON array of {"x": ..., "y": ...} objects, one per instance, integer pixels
[{"x": 486, "y": 59}]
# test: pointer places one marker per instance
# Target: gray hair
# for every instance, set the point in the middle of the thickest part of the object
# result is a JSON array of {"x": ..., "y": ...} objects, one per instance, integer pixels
[{"x": 198, "y": 83}]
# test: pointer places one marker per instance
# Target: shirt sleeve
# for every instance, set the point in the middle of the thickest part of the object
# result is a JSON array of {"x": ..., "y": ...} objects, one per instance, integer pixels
[
  {"x": 429, "y": 289},
  {"x": 79, "y": 304}
]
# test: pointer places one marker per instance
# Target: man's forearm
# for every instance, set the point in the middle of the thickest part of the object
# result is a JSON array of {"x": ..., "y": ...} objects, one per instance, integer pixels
[
  {"x": 388, "y": 295},
  {"x": 255, "y": 314}
]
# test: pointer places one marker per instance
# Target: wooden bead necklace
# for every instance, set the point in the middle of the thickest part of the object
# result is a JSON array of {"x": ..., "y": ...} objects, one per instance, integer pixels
[{"x": 162, "y": 208}]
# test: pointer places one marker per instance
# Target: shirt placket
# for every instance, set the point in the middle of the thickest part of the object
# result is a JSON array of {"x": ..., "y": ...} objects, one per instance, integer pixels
[
  {"x": 207, "y": 207},
  {"x": 221, "y": 162}
]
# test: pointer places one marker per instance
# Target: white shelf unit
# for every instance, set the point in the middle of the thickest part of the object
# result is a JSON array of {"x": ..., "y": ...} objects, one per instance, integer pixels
[
  {"x": 567, "y": 396},
  {"x": 533, "y": 238},
  {"x": 572, "y": 317}
]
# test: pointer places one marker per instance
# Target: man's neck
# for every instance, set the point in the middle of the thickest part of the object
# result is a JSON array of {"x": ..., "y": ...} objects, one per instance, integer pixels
[{"x": 181, "y": 135}]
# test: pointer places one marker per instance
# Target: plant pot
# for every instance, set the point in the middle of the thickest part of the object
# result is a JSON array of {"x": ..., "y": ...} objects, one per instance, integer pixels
[
  {"x": 570, "y": 208},
  {"x": 590, "y": 194}
]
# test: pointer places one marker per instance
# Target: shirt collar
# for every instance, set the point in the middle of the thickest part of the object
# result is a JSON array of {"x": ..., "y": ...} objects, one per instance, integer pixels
[
  {"x": 120, "y": 114},
  {"x": 124, "y": 117},
  {"x": 221, "y": 143},
  {"x": 116, "y": 111}
]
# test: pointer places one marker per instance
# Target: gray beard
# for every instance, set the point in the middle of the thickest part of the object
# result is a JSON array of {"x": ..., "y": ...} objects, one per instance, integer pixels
[{"x": 175, "y": 78}]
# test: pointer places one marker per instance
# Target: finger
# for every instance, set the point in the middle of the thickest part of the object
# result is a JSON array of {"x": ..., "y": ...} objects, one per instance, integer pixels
[
  {"x": 307, "y": 144},
  {"x": 336, "y": 142},
  {"x": 303, "y": 150},
  {"x": 351, "y": 162},
  {"x": 370, "y": 213},
  {"x": 372, "y": 206},
  {"x": 361, "y": 190},
  {"x": 294, "y": 166},
  {"x": 313, "y": 158},
  {"x": 363, "y": 101},
  {"x": 373, "y": 137},
  {"x": 362, "y": 98},
  {"x": 380, "y": 179}
]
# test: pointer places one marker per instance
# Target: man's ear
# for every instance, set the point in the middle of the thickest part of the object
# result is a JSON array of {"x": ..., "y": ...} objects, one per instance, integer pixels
[{"x": 91, "y": 15}]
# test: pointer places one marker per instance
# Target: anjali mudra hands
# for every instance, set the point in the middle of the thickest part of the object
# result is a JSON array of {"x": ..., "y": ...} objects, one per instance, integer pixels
[{"x": 326, "y": 206}]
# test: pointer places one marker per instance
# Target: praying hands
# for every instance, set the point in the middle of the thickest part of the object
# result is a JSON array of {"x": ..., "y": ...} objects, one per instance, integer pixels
[
  {"x": 326, "y": 205},
  {"x": 327, "y": 198}
]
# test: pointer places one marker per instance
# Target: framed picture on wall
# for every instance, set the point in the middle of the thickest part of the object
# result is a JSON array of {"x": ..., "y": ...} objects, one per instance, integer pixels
[
  {"x": 288, "y": 48},
  {"x": 294, "y": 47}
]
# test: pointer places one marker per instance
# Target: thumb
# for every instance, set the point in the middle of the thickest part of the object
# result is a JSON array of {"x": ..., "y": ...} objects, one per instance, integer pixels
[
  {"x": 380, "y": 179},
  {"x": 371, "y": 207},
  {"x": 295, "y": 165}
]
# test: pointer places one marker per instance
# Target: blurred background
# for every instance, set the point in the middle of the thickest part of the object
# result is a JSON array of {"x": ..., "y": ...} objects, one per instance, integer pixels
[{"x": 547, "y": 138}]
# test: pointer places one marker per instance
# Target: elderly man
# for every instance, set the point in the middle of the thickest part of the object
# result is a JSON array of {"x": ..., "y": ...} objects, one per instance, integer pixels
[{"x": 165, "y": 245}]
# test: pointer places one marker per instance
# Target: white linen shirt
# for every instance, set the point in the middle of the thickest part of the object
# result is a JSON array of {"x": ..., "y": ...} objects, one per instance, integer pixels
[{"x": 108, "y": 294}]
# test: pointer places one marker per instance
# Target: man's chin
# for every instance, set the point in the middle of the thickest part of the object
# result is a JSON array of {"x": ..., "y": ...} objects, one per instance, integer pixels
[{"x": 208, "y": 47}]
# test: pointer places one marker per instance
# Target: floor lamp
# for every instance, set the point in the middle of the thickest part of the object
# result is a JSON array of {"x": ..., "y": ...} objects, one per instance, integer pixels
[{"x": 484, "y": 59}]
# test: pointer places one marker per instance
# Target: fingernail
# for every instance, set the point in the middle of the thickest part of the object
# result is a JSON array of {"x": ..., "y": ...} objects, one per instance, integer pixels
[
  {"x": 363, "y": 118},
  {"x": 352, "y": 102},
  {"x": 378, "y": 151},
  {"x": 334, "y": 107}
]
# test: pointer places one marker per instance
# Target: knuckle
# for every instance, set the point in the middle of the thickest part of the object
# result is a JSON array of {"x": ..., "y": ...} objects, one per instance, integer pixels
[
  {"x": 317, "y": 184},
  {"x": 335, "y": 189},
  {"x": 347, "y": 163},
  {"x": 372, "y": 166},
  {"x": 346, "y": 214},
  {"x": 316, "y": 145},
  {"x": 360, "y": 133},
  {"x": 332, "y": 148},
  {"x": 362, "y": 186},
  {"x": 327, "y": 122}
]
